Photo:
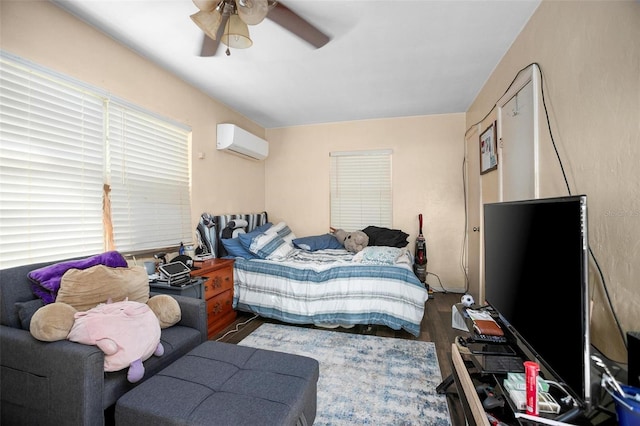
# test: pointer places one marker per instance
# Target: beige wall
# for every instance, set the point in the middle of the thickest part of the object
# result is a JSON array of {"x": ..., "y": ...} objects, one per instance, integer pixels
[
  {"x": 427, "y": 178},
  {"x": 41, "y": 32},
  {"x": 590, "y": 58}
]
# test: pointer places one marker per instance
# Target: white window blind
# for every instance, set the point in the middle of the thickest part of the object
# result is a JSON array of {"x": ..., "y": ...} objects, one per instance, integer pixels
[
  {"x": 149, "y": 177},
  {"x": 51, "y": 168},
  {"x": 361, "y": 189},
  {"x": 55, "y": 159}
]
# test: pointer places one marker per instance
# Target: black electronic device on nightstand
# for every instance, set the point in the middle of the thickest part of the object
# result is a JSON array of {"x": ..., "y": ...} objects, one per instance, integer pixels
[{"x": 175, "y": 274}]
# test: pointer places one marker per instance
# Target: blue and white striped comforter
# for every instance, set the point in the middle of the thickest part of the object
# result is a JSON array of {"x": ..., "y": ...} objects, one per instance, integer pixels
[{"x": 326, "y": 288}]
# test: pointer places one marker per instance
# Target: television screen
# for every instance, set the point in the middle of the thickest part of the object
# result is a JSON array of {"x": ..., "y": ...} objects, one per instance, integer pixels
[{"x": 536, "y": 279}]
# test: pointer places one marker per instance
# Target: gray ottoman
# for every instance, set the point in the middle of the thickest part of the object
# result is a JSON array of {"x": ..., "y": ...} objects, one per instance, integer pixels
[{"x": 224, "y": 384}]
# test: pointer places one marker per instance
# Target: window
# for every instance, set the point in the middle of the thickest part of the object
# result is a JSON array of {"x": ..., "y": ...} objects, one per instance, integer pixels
[
  {"x": 149, "y": 180},
  {"x": 56, "y": 162},
  {"x": 361, "y": 189}
]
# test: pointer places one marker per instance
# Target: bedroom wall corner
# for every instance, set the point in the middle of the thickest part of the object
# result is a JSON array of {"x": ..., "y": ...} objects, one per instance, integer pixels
[{"x": 427, "y": 178}]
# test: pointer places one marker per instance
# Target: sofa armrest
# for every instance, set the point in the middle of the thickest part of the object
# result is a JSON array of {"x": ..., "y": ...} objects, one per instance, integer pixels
[
  {"x": 194, "y": 314},
  {"x": 52, "y": 382}
]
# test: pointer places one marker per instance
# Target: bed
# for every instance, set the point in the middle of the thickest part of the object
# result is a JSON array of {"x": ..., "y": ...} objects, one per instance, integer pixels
[{"x": 313, "y": 280}]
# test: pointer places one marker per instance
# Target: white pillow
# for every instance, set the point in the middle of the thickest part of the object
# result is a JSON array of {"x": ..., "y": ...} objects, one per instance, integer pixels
[
  {"x": 283, "y": 231},
  {"x": 378, "y": 255},
  {"x": 269, "y": 245}
]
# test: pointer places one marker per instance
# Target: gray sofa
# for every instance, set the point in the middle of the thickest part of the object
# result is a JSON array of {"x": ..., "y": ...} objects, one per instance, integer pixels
[{"x": 64, "y": 383}]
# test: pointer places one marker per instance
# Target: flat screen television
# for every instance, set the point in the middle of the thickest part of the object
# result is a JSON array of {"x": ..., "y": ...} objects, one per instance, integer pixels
[{"x": 536, "y": 278}]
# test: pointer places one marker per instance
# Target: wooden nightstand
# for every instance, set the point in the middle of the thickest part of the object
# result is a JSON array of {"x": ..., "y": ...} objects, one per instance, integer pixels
[{"x": 218, "y": 292}]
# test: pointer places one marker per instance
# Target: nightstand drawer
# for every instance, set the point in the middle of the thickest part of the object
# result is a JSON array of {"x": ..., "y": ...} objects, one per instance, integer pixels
[
  {"x": 217, "y": 282},
  {"x": 218, "y": 293},
  {"x": 219, "y": 307}
]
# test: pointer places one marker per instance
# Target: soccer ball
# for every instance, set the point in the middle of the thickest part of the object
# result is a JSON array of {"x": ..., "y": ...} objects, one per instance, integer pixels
[{"x": 467, "y": 300}]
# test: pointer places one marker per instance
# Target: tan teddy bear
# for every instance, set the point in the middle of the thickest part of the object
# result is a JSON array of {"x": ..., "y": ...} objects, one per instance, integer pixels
[{"x": 352, "y": 241}]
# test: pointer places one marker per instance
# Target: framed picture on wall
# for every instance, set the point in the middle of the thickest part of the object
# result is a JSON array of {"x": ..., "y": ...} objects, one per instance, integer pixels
[{"x": 488, "y": 150}]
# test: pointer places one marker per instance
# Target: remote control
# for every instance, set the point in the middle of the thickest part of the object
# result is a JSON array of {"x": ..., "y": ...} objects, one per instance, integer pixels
[{"x": 485, "y": 338}]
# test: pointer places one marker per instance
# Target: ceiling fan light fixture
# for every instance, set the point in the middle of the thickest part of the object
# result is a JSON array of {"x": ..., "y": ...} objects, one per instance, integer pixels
[
  {"x": 206, "y": 5},
  {"x": 236, "y": 33},
  {"x": 252, "y": 12},
  {"x": 209, "y": 22}
]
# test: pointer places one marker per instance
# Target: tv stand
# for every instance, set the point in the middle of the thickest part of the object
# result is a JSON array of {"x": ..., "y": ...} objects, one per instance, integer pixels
[
  {"x": 467, "y": 380},
  {"x": 466, "y": 376}
]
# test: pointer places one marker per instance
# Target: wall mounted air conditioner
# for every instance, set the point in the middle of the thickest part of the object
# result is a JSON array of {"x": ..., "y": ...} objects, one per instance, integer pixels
[{"x": 237, "y": 140}]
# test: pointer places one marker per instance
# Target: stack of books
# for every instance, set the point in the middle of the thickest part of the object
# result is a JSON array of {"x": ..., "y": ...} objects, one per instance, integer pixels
[
  {"x": 515, "y": 385},
  {"x": 483, "y": 323}
]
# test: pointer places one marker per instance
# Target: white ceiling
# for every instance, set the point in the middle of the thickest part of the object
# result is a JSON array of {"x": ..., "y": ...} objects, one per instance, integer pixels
[{"x": 386, "y": 59}]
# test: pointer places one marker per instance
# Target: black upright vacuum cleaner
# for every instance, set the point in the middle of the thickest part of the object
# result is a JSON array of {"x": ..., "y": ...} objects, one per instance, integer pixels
[{"x": 420, "y": 259}]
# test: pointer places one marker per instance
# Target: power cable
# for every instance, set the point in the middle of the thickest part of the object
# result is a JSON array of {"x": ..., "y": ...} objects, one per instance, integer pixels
[
  {"x": 505, "y": 92},
  {"x": 237, "y": 328},
  {"x": 466, "y": 225},
  {"x": 444, "y": 290}
]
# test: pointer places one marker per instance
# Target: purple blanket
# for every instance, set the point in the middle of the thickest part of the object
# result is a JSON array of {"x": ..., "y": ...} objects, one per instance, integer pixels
[{"x": 46, "y": 280}]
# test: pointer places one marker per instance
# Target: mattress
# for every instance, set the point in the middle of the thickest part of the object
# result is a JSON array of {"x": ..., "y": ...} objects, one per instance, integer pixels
[{"x": 329, "y": 288}]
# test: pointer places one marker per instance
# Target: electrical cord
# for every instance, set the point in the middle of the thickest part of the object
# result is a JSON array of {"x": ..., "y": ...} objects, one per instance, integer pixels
[
  {"x": 463, "y": 254},
  {"x": 237, "y": 328},
  {"x": 606, "y": 292},
  {"x": 568, "y": 398},
  {"x": 444, "y": 290},
  {"x": 505, "y": 92}
]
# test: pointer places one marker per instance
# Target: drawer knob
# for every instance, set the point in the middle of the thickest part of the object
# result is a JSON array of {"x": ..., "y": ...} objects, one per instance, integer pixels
[{"x": 217, "y": 282}]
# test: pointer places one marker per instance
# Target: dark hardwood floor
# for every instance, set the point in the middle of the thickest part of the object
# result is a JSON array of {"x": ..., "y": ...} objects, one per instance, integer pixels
[{"x": 436, "y": 328}]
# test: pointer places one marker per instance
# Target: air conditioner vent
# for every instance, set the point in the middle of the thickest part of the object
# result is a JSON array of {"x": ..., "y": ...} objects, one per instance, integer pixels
[{"x": 235, "y": 139}]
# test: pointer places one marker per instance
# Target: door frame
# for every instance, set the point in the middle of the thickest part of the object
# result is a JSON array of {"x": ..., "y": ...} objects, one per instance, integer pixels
[
  {"x": 527, "y": 75},
  {"x": 473, "y": 232}
]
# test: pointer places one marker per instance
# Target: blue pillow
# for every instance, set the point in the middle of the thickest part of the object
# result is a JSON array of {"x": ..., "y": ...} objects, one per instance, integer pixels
[
  {"x": 245, "y": 239},
  {"x": 236, "y": 249},
  {"x": 318, "y": 242}
]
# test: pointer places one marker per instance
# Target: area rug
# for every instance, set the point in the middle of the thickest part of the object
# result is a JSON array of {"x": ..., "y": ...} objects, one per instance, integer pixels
[{"x": 364, "y": 380}]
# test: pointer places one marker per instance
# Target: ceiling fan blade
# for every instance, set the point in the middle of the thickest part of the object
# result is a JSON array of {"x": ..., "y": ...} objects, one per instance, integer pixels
[
  {"x": 286, "y": 18},
  {"x": 210, "y": 46}
]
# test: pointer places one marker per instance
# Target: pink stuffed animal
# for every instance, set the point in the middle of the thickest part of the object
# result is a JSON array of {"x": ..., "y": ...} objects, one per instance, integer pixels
[{"x": 127, "y": 332}]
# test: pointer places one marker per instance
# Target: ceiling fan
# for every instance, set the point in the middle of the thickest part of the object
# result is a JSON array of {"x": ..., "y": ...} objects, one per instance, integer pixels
[{"x": 226, "y": 21}]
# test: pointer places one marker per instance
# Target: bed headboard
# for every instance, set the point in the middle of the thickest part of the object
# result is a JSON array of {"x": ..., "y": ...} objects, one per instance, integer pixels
[{"x": 210, "y": 227}]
